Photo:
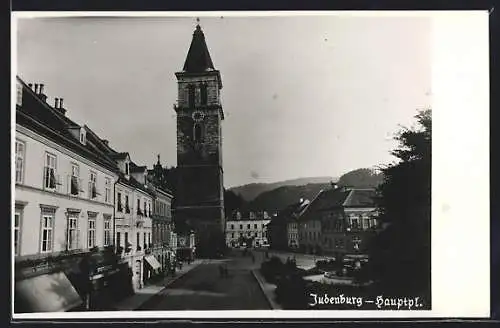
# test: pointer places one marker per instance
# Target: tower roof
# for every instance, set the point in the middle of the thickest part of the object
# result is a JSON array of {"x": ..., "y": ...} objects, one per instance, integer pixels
[{"x": 198, "y": 58}]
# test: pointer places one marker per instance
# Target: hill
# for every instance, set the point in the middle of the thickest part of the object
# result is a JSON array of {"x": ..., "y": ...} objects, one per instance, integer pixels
[
  {"x": 286, "y": 194},
  {"x": 250, "y": 191},
  {"x": 281, "y": 197}
]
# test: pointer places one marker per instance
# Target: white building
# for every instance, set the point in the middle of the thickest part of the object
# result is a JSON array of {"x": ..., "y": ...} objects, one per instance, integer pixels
[
  {"x": 63, "y": 200},
  {"x": 251, "y": 226},
  {"x": 82, "y": 212}
]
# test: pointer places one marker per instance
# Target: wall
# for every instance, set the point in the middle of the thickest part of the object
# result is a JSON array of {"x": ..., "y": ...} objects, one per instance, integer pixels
[
  {"x": 31, "y": 193},
  {"x": 233, "y": 227}
]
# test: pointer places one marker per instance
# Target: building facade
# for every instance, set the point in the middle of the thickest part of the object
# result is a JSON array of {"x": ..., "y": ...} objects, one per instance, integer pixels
[
  {"x": 83, "y": 213},
  {"x": 133, "y": 233},
  {"x": 63, "y": 210},
  {"x": 249, "y": 228},
  {"x": 347, "y": 229},
  {"x": 164, "y": 248},
  {"x": 164, "y": 235},
  {"x": 284, "y": 228},
  {"x": 200, "y": 191},
  {"x": 339, "y": 221}
]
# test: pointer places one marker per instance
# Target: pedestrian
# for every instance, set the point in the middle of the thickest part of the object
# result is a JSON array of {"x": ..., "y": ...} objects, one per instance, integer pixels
[{"x": 226, "y": 271}]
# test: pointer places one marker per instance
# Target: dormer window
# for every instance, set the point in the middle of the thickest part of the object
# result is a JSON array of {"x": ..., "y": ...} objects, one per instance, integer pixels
[
  {"x": 127, "y": 169},
  {"x": 83, "y": 139}
]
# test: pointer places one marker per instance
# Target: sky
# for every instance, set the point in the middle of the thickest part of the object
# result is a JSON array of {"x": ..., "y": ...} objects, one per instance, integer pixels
[{"x": 303, "y": 96}]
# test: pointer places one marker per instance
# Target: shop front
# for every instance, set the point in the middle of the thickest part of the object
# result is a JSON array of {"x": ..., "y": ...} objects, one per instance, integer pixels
[
  {"x": 152, "y": 268},
  {"x": 102, "y": 279}
]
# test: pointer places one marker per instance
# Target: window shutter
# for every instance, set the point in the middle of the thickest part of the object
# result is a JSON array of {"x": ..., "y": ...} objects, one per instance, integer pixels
[
  {"x": 60, "y": 184},
  {"x": 66, "y": 234},
  {"x": 69, "y": 183}
]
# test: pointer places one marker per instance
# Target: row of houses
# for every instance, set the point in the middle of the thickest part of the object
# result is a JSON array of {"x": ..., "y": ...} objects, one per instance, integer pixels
[
  {"x": 90, "y": 225},
  {"x": 338, "y": 221}
]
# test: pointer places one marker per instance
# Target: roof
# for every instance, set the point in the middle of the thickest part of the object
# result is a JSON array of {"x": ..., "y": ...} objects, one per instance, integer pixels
[
  {"x": 134, "y": 183},
  {"x": 37, "y": 115},
  {"x": 118, "y": 156},
  {"x": 360, "y": 198},
  {"x": 137, "y": 169},
  {"x": 289, "y": 213},
  {"x": 341, "y": 198},
  {"x": 198, "y": 59}
]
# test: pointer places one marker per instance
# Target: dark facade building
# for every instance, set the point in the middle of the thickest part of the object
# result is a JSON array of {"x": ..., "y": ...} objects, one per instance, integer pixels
[
  {"x": 340, "y": 221},
  {"x": 199, "y": 195},
  {"x": 283, "y": 228}
]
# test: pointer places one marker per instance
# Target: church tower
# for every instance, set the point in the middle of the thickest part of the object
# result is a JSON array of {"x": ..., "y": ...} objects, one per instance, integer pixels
[{"x": 200, "y": 189}]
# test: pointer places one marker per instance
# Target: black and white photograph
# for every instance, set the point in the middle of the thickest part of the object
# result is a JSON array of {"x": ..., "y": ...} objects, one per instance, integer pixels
[{"x": 234, "y": 162}]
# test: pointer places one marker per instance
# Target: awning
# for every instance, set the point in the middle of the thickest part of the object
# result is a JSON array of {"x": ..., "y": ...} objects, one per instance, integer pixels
[
  {"x": 153, "y": 262},
  {"x": 47, "y": 293}
]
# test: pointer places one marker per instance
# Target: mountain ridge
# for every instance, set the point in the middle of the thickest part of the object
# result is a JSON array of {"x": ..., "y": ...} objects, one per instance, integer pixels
[{"x": 252, "y": 190}]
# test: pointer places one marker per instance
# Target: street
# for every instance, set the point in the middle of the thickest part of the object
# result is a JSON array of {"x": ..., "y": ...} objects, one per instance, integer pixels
[{"x": 203, "y": 289}]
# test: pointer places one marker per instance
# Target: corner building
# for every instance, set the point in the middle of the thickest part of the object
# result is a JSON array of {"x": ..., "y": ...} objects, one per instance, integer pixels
[{"x": 200, "y": 191}]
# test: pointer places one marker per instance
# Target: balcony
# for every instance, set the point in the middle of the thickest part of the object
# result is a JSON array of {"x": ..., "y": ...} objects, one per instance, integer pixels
[{"x": 123, "y": 222}]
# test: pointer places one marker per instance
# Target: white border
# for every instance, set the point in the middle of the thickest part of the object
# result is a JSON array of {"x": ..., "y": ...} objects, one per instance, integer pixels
[{"x": 460, "y": 181}]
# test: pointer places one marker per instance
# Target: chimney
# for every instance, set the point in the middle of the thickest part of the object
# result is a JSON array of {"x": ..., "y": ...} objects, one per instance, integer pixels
[
  {"x": 59, "y": 106},
  {"x": 36, "y": 88},
  {"x": 30, "y": 85},
  {"x": 106, "y": 142},
  {"x": 41, "y": 88}
]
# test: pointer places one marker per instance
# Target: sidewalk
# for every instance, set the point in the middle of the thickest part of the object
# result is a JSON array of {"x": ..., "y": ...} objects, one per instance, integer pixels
[
  {"x": 268, "y": 290},
  {"x": 147, "y": 292}
]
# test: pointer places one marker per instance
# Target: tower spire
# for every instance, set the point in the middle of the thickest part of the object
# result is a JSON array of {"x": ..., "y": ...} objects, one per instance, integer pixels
[{"x": 198, "y": 58}]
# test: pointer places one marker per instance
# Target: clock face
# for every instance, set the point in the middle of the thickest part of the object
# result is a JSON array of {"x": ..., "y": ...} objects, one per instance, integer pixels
[{"x": 198, "y": 116}]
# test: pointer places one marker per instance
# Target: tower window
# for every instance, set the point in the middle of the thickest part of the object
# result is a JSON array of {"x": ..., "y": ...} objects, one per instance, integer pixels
[
  {"x": 197, "y": 132},
  {"x": 192, "y": 96},
  {"x": 203, "y": 94}
]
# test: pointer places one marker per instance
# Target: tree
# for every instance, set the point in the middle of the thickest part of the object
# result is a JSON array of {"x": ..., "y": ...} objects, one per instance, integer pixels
[
  {"x": 232, "y": 202},
  {"x": 400, "y": 254}
]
